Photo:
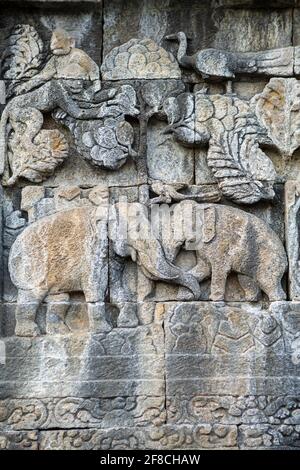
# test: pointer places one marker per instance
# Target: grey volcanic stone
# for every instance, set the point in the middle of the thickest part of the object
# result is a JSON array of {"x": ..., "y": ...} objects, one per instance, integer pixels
[{"x": 156, "y": 116}]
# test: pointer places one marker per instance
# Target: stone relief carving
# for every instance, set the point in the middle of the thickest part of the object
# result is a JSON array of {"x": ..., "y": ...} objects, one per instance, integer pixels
[
  {"x": 34, "y": 279},
  {"x": 292, "y": 236},
  {"x": 167, "y": 193},
  {"x": 215, "y": 64},
  {"x": 139, "y": 59},
  {"x": 66, "y": 86},
  {"x": 233, "y": 134},
  {"x": 68, "y": 252},
  {"x": 79, "y": 236},
  {"x": 277, "y": 108},
  {"x": 107, "y": 142},
  {"x": 221, "y": 250},
  {"x": 164, "y": 338},
  {"x": 212, "y": 328}
]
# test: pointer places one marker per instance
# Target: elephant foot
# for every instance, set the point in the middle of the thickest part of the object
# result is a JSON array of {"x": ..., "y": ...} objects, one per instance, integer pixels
[
  {"x": 27, "y": 328},
  {"x": 274, "y": 294},
  {"x": 217, "y": 297},
  {"x": 277, "y": 298},
  {"x": 97, "y": 318}
]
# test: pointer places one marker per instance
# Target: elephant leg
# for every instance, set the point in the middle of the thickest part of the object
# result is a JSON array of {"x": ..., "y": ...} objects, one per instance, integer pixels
[
  {"x": 28, "y": 304},
  {"x": 272, "y": 289},
  {"x": 250, "y": 288},
  {"x": 56, "y": 311},
  {"x": 218, "y": 282},
  {"x": 97, "y": 318},
  {"x": 201, "y": 270},
  {"x": 95, "y": 286}
]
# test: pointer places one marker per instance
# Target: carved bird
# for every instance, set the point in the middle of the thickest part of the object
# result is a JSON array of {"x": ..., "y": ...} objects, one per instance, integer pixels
[{"x": 212, "y": 63}]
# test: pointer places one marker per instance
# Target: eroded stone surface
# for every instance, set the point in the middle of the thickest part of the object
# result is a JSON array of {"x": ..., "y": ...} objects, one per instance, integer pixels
[
  {"x": 292, "y": 236},
  {"x": 139, "y": 59},
  {"x": 161, "y": 342},
  {"x": 213, "y": 348}
]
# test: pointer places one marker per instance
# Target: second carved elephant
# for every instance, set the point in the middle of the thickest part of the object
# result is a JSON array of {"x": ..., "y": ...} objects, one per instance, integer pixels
[
  {"x": 68, "y": 252},
  {"x": 226, "y": 240}
]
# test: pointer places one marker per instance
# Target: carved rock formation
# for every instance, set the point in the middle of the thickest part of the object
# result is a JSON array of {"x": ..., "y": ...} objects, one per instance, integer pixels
[{"x": 149, "y": 222}]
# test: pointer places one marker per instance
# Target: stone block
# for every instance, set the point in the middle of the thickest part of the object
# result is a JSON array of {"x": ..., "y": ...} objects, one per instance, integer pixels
[
  {"x": 269, "y": 437},
  {"x": 292, "y": 236},
  {"x": 159, "y": 343},
  {"x": 159, "y": 438},
  {"x": 76, "y": 412},
  {"x": 228, "y": 409},
  {"x": 263, "y": 29},
  {"x": 119, "y": 362},
  {"x": 167, "y": 160},
  {"x": 22, "y": 440},
  {"x": 248, "y": 351}
]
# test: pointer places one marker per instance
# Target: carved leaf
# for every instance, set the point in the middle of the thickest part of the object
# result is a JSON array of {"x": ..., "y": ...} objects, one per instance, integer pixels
[
  {"x": 127, "y": 100},
  {"x": 277, "y": 108},
  {"x": 139, "y": 59},
  {"x": 181, "y": 117},
  {"x": 104, "y": 146},
  {"x": 123, "y": 103},
  {"x": 37, "y": 163},
  {"x": 124, "y": 133},
  {"x": 156, "y": 92},
  {"x": 106, "y": 142},
  {"x": 172, "y": 110},
  {"x": 229, "y": 157},
  {"x": 23, "y": 54}
]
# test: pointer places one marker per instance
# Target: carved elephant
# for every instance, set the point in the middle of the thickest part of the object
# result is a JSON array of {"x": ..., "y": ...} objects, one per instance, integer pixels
[
  {"x": 68, "y": 252},
  {"x": 230, "y": 240}
]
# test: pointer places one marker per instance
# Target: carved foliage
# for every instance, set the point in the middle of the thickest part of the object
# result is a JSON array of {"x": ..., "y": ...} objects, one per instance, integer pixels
[
  {"x": 139, "y": 59},
  {"x": 232, "y": 132},
  {"x": 37, "y": 160},
  {"x": 278, "y": 110},
  {"x": 107, "y": 141},
  {"x": 23, "y": 55}
]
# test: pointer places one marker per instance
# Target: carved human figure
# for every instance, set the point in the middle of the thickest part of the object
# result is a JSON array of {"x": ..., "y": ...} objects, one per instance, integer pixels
[{"x": 69, "y": 79}]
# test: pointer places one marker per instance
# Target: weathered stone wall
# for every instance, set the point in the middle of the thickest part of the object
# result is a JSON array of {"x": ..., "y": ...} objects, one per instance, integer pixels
[{"x": 150, "y": 342}]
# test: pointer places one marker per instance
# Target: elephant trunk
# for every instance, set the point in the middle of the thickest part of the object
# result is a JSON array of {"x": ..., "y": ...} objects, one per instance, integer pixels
[{"x": 155, "y": 266}]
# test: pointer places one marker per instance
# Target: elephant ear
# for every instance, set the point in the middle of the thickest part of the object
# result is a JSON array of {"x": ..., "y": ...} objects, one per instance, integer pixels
[{"x": 209, "y": 224}]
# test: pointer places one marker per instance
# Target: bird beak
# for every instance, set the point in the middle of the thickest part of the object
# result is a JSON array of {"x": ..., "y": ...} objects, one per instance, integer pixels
[{"x": 171, "y": 37}]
